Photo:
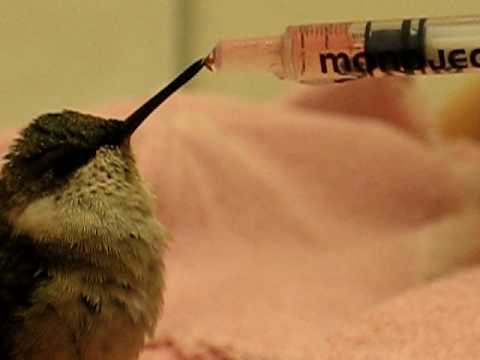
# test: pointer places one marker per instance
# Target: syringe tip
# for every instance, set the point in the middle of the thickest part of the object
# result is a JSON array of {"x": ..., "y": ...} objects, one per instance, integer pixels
[
  {"x": 209, "y": 61},
  {"x": 255, "y": 54}
]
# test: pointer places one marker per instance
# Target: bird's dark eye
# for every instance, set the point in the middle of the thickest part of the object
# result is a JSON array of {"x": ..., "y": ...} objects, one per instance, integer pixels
[
  {"x": 71, "y": 161},
  {"x": 62, "y": 160}
]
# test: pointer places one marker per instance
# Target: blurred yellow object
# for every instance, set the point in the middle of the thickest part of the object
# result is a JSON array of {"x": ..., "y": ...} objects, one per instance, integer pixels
[{"x": 460, "y": 117}]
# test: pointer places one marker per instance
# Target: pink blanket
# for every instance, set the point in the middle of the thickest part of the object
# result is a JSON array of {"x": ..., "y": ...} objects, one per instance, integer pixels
[{"x": 327, "y": 225}]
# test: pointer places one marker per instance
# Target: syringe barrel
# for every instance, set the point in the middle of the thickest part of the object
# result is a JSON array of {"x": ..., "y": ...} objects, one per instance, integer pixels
[{"x": 335, "y": 52}]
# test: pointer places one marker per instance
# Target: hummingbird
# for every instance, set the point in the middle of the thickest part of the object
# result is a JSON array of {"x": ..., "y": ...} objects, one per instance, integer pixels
[{"x": 81, "y": 269}]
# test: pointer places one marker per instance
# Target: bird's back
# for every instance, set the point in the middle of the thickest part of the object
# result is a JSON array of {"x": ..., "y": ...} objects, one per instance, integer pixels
[{"x": 20, "y": 272}]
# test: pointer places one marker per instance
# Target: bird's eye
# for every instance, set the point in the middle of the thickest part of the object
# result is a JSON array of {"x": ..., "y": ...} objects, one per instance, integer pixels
[
  {"x": 62, "y": 161},
  {"x": 70, "y": 161}
]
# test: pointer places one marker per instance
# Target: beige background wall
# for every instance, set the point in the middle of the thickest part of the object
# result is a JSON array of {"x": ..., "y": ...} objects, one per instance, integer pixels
[{"x": 81, "y": 53}]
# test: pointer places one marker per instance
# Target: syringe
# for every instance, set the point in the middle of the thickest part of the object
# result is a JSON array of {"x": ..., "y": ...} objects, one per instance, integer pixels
[{"x": 335, "y": 52}]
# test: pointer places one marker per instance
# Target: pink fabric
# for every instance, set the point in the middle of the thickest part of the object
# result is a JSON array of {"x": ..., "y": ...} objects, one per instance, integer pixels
[{"x": 304, "y": 228}]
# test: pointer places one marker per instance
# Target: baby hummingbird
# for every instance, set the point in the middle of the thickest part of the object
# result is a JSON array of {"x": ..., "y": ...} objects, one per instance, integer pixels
[{"x": 81, "y": 271}]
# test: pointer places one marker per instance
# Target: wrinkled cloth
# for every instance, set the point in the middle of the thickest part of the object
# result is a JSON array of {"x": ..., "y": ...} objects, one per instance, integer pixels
[{"x": 326, "y": 225}]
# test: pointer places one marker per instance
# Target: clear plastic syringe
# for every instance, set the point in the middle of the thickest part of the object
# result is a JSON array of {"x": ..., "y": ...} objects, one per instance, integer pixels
[{"x": 336, "y": 52}]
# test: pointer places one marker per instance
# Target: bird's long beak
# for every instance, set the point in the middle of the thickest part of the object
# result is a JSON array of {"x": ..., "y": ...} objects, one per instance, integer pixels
[{"x": 138, "y": 116}]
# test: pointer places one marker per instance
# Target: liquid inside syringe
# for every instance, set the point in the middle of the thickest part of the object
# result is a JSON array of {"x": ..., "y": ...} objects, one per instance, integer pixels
[{"x": 335, "y": 52}]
